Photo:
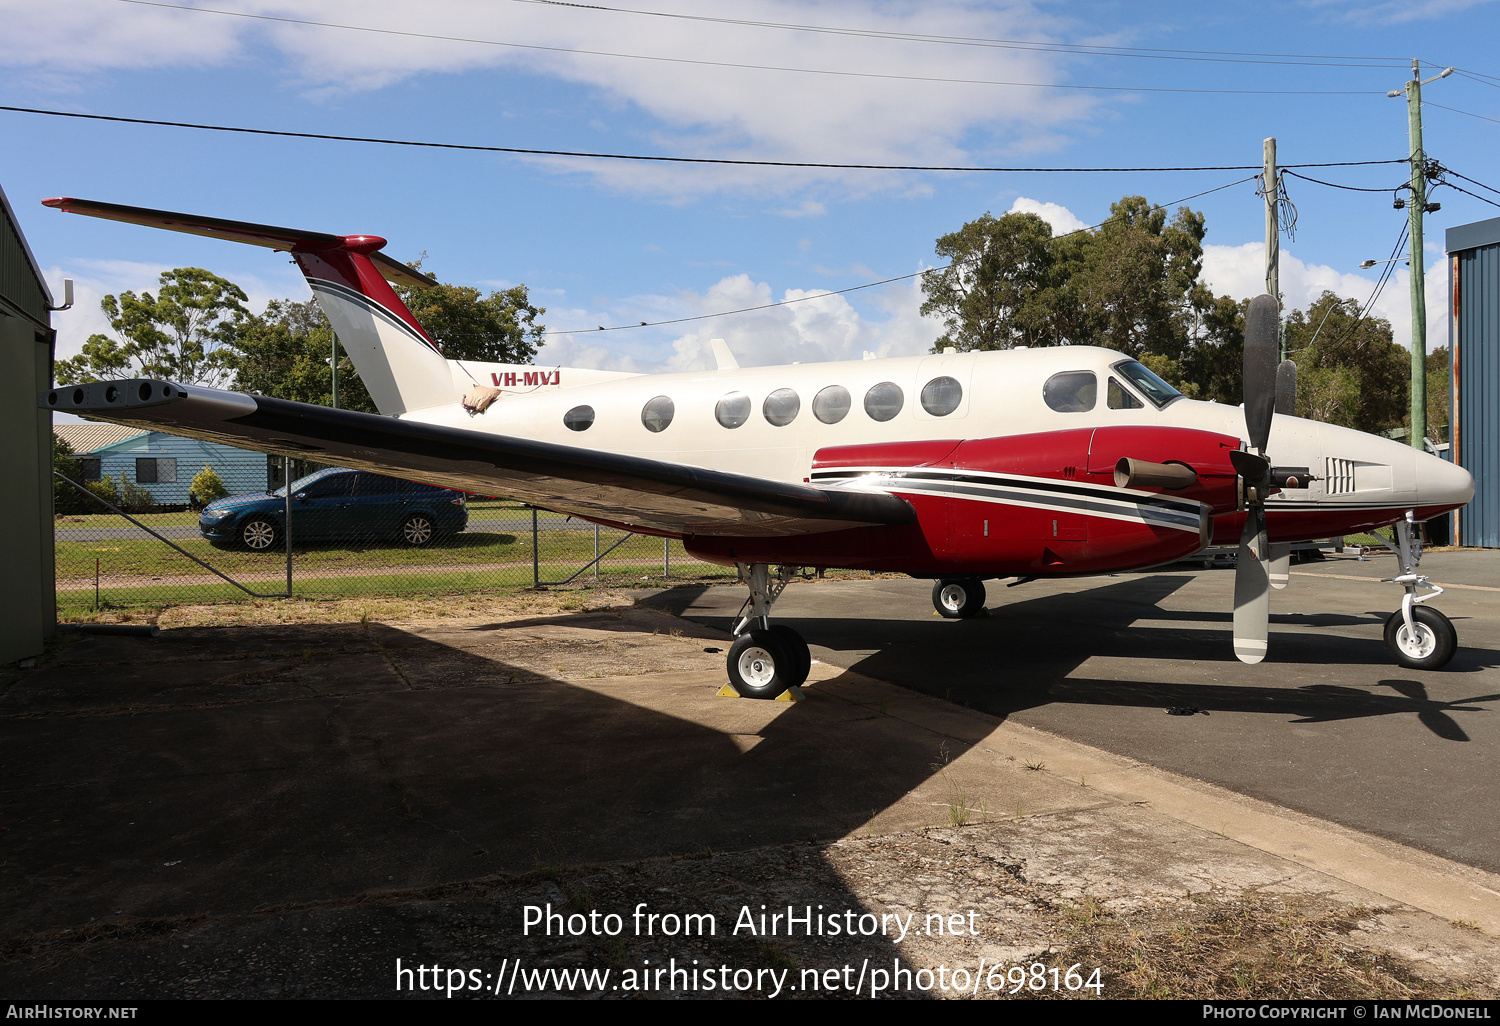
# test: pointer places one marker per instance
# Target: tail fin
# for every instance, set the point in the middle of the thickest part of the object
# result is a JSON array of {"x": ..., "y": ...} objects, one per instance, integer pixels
[{"x": 397, "y": 360}]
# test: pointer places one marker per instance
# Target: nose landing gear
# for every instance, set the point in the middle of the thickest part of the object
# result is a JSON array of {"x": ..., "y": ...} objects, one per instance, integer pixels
[
  {"x": 765, "y": 660},
  {"x": 1418, "y": 637}
]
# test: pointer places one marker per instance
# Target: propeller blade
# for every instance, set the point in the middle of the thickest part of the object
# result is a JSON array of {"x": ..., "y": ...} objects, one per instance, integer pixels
[
  {"x": 1281, "y": 564},
  {"x": 1252, "y": 589},
  {"x": 1262, "y": 345},
  {"x": 1286, "y": 388}
]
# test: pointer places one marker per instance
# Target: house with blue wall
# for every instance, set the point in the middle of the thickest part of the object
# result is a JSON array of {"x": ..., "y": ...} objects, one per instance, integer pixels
[{"x": 163, "y": 464}]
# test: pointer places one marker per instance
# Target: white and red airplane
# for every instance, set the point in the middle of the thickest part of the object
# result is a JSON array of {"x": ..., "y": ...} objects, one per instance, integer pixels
[{"x": 958, "y": 467}]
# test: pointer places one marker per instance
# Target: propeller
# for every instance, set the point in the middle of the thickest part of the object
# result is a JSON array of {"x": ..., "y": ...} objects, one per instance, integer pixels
[
  {"x": 1252, "y": 578},
  {"x": 1286, "y": 406}
]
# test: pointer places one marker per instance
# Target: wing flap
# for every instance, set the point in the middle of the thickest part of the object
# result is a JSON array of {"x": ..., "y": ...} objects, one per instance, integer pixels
[{"x": 651, "y": 495}]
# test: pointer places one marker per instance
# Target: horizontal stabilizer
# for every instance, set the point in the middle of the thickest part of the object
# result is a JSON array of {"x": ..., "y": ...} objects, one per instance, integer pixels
[
  {"x": 269, "y": 236},
  {"x": 631, "y": 491}
]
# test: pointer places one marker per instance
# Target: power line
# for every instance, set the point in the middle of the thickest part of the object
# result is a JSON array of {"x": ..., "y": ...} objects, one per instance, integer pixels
[
  {"x": 872, "y": 284},
  {"x": 1466, "y": 192},
  {"x": 747, "y": 67},
  {"x": 1335, "y": 185},
  {"x": 1450, "y": 171},
  {"x": 1439, "y": 106},
  {"x": 654, "y": 157}
]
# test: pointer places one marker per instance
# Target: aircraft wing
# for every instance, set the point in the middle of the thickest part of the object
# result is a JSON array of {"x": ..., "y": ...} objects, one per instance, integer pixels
[{"x": 633, "y": 491}]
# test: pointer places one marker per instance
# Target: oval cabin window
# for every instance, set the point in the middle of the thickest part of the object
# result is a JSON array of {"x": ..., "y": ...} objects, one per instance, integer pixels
[
  {"x": 733, "y": 410},
  {"x": 941, "y": 396},
  {"x": 658, "y": 413},
  {"x": 832, "y": 404},
  {"x": 579, "y": 418},
  {"x": 781, "y": 407},
  {"x": 884, "y": 401}
]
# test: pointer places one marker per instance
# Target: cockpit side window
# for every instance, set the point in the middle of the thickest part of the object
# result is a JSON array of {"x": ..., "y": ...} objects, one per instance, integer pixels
[
  {"x": 1120, "y": 397},
  {"x": 1071, "y": 391},
  {"x": 1148, "y": 384}
]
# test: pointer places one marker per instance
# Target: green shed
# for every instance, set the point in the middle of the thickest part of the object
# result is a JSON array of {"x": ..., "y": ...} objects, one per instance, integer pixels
[{"x": 28, "y": 609}]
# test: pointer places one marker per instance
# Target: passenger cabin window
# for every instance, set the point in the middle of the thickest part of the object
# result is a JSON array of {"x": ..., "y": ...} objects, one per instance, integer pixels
[
  {"x": 733, "y": 410},
  {"x": 781, "y": 407},
  {"x": 832, "y": 404},
  {"x": 941, "y": 396},
  {"x": 1071, "y": 391},
  {"x": 1147, "y": 383},
  {"x": 1120, "y": 397},
  {"x": 658, "y": 413},
  {"x": 334, "y": 486},
  {"x": 884, "y": 401},
  {"x": 580, "y": 418}
]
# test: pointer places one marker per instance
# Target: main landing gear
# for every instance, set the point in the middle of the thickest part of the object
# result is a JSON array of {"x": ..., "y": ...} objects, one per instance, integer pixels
[
  {"x": 765, "y": 660},
  {"x": 958, "y": 598},
  {"x": 1417, "y": 636}
]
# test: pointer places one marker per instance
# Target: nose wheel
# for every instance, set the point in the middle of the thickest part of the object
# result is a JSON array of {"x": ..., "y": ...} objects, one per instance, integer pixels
[
  {"x": 1418, "y": 637},
  {"x": 958, "y": 598}
]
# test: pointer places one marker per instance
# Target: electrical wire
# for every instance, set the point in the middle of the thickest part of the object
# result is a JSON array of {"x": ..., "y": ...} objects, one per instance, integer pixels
[
  {"x": 867, "y": 285},
  {"x": 1439, "y": 106},
  {"x": 1335, "y": 185},
  {"x": 1450, "y": 171},
  {"x": 652, "y": 157},
  {"x": 749, "y": 67},
  {"x": 1466, "y": 192}
]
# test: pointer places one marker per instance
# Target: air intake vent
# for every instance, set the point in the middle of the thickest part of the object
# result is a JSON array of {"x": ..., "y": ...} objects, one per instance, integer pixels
[{"x": 1340, "y": 477}]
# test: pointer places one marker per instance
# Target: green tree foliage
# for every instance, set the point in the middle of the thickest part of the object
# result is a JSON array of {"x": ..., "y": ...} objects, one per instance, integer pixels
[
  {"x": 1131, "y": 285},
  {"x": 1349, "y": 370},
  {"x": 107, "y": 490},
  {"x": 1438, "y": 371},
  {"x": 179, "y": 334},
  {"x": 286, "y": 353},
  {"x": 65, "y": 498},
  {"x": 207, "y": 486},
  {"x": 468, "y": 325}
]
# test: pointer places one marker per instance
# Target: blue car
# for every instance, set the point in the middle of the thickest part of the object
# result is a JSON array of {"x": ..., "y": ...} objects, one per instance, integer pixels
[{"x": 337, "y": 505}]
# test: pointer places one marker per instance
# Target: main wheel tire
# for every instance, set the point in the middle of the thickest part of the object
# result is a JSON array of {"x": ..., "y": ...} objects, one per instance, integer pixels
[
  {"x": 798, "y": 656},
  {"x": 759, "y": 666},
  {"x": 1429, "y": 647},
  {"x": 418, "y": 530},
  {"x": 958, "y": 598},
  {"x": 259, "y": 534}
]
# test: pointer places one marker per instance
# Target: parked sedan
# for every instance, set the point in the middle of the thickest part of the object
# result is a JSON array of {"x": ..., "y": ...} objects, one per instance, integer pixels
[{"x": 336, "y": 505}]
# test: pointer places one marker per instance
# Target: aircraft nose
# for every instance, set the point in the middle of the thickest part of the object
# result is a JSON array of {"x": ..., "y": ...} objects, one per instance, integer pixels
[{"x": 1440, "y": 483}]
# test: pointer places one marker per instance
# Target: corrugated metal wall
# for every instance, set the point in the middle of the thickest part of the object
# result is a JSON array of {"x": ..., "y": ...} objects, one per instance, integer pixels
[{"x": 1476, "y": 325}]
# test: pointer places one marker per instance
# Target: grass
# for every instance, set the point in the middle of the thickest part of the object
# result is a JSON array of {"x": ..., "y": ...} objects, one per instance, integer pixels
[{"x": 1258, "y": 947}]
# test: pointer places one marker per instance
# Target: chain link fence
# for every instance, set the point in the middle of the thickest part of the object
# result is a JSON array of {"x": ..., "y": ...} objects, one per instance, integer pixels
[{"x": 143, "y": 532}]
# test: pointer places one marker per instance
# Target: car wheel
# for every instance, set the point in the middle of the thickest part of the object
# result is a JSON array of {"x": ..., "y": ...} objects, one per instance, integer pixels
[
  {"x": 418, "y": 530},
  {"x": 259, "y": 534}
]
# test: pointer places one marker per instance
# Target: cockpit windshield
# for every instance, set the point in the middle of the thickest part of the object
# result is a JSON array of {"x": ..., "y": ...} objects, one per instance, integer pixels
[{"x": 1152, "y": 387}]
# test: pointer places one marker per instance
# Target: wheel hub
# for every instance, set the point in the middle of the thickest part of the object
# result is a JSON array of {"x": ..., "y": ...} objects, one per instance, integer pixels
[
  {"x": 953, "y": 597},
  {"x": 757, "y": 666},
  {"x": 1418, "y": 644}
]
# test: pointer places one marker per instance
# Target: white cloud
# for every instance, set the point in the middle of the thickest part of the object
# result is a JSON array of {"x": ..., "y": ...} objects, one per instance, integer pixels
[
  {"x": 1059, "y": 217},
  {"x": 698, "y": 110},
  {"x": 1239, "y": 271}
]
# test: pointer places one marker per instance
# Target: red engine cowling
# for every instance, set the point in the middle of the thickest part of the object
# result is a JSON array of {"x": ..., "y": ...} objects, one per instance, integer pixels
[{"x": 1043, "y": 503}]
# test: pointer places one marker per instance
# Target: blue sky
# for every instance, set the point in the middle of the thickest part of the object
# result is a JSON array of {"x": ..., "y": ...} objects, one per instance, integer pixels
[{"x": 607, "y": 243}]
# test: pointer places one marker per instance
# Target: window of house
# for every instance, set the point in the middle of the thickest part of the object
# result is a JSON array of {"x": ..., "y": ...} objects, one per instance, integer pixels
[{"x": 155, "y": 470}]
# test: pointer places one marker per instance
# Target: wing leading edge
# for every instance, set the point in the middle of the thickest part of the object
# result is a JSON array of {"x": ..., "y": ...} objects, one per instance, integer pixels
[{"x": 646, "y": 494}]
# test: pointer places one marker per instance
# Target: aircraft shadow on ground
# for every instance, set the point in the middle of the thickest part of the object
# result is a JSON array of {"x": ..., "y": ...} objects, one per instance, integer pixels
[
  {"x": 1024, "y": 653},
  {"x": 217, "y": 772}
]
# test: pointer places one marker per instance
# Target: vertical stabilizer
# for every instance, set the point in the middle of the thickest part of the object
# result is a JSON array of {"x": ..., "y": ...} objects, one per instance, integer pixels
[{"x": 399, "y": 363}]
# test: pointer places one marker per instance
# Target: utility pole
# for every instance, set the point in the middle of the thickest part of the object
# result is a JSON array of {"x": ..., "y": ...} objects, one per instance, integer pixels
[
  {"x": 1271, "y": 188},
  {"x": 1417, "y": 206}
]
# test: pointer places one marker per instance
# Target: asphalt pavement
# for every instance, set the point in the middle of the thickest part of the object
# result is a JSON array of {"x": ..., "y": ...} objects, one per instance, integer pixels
[{"x": 1327, "y": 725}]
